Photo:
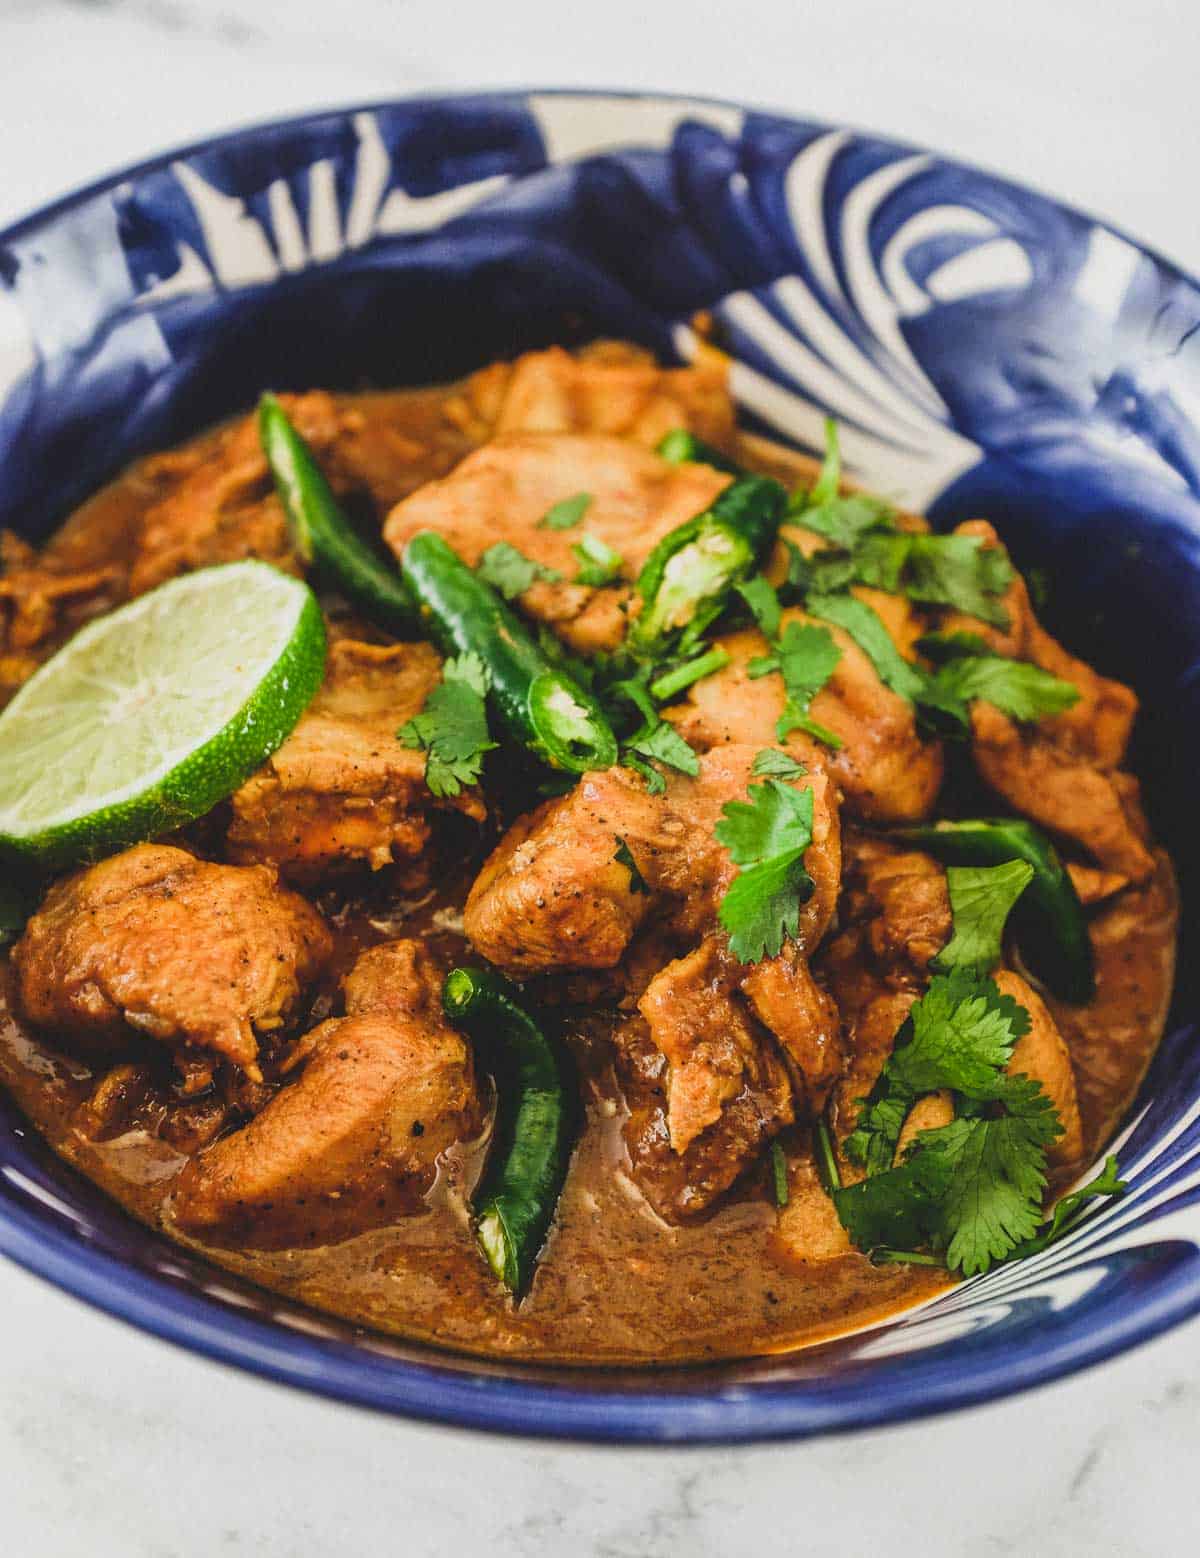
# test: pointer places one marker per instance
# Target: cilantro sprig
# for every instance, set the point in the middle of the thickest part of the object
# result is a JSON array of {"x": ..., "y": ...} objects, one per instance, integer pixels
[
  {"x": 452, "y": 728},
  {"x": 510, "y": 572},
  {"x": 566, "y": 513},
  {"x": 767, "y": 837},
  {"x": 981, "y": 899}
]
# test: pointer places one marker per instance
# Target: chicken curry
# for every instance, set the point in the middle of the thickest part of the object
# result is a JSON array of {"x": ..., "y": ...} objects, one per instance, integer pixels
[{"x": 687, "y": 908}]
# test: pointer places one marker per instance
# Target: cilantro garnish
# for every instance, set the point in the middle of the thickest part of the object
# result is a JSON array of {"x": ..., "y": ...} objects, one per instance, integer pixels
[
  {"x": 510, "y": 572},
  {"x": 981, "y": 899},
  {"x": 958, "y": 1036},
  {"x": 759, "y": 594},
  {"x": 772, "y": 763},
  {"x": 624, "y": 857},
  {"x": 566, "y": 514},
  {"x": 841, "y": 518},
  {"x": 1017, "y": 688},
  {"x": 664, "y": 744},
  {"x": 971, "y": 1190},
  {"x": 452, "y": 728},
  {"x": 598, "y": 563},
  {"x": 766, "y": 837},
  {"x": 865, "y": 627},
  {"x": 1066, "y": 1213},
  {"x": 959, "y": 571},
  {"x": 779, "y": 1174},
  {"x": 805, "y": 656}
]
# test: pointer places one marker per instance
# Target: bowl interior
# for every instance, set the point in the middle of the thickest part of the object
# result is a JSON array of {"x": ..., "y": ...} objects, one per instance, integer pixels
[{"x": 985, "y": 350}]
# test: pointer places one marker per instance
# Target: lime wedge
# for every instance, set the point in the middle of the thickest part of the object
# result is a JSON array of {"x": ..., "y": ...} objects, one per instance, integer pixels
[{"x": 150, "y": 716}]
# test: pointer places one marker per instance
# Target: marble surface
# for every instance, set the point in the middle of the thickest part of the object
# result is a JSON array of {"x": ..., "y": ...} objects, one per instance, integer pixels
[{"x": 111, "y": 1443}]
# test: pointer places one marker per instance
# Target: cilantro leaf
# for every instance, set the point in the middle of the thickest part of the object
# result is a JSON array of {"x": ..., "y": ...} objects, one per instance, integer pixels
[
  {"x": 775, "y": 820},
  {"x": 452, "y": 728},
  {"x": 806, "y": 657},
  {"x": 958, "y": 1036},
  {"x": 761, "y": 906},
  {"x": 1065, "y": 1215},
  {"x": 664, "y": 744},
  {"x": 566, "y": 513},
  {"x": 759, "y": 594},
  {"x": 767, "y": 837},
  {"x": 981, "y": 899},
  {"x": 772, "y": 763},
  {"x": 510, "y": 572},
  {"x": 824, "y": 509},
  {"x": 1022, "y": 691},
  {"x": 940, "y": 647},
  {"x": 997, "y": 1177},
  {"x": 865, "y": 627},
  {"x": 655, "y": 783},
  {"x": 959, "y": 571},
  {"x": 598, "y": 563},
  {"x": 624, "y": 857},
  {"x": 896, "y": 1209}
]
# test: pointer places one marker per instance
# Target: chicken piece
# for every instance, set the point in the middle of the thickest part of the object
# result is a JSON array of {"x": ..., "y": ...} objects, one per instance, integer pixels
[
  {"x": 1042, "y": 1053},
  {"x": 927, "y": 1114},
  {"x": 188, "y": 953},
  {"x": 502, "y": 492},
  {"x": 1066, "y": 794},
  {"x": 681, "y": 1185},
  {"x": 886, "y": 772},
  {"x": 342, "y": 788},
  {"x": 804, "y": 1019},
  {"x": 1093, "y": 885},
  {"x": 608, "y": 387},
  {"x": 42, "y": 602},
  {"x": 902, "y": 896},
  {"x": 552, "y": 895},
  {"x": 381, "y": 1094},
  {"x": 708, "y": 1037},
  {"x": 808, "y": 1229},
  {"x": 1098, "y": 726}
]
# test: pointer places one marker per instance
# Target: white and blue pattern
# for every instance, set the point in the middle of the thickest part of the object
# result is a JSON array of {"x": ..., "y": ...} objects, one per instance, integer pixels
[{"x": 985, "y": 351}]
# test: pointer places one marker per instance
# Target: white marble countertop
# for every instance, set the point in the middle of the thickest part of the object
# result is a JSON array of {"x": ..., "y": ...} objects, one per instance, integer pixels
[{"x": 114, "y": 1444}]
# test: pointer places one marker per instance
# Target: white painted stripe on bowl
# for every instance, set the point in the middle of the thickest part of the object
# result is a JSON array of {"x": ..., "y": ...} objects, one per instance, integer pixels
[
  {"x": 572, "y": 127},
  {"x": 804, "y": 190}
]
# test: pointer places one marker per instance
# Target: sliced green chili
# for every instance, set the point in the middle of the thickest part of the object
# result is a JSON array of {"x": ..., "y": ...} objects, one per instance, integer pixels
[
  {"x": 515, "y": 1200},
  {"x": 321, "y": 533},
  {"x": 541, "y": 707},
  {"x": 684, "y": 581},
  {"x": 1048, "y": 920},
  {"x": 679, "y": 447}
]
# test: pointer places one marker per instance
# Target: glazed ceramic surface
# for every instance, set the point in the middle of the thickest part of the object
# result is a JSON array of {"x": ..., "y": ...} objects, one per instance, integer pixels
[{"x": 985, "y": 350}]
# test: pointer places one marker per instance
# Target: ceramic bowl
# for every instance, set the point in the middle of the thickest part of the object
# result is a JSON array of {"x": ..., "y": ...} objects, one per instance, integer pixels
[{"x": 986, "y": 351}]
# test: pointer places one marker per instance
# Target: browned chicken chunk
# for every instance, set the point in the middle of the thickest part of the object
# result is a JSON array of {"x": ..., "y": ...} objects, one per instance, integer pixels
[
  {"x": 608, "y": 387},
  {"x": 885, "y": 770},
  {"x": 42, "y": 601},
  {"x": 191, "y": 954},
  {"x": 502, "y": 492},
  {"x": 677, "y": 1184},
  {"x": 381, "y": 1093},
  {"x": 553, "y": 896},
  {"x": 342, "y": 788}
]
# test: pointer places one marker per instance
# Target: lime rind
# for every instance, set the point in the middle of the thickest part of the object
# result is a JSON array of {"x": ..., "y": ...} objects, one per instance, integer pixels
[{"x": 153, "y": 714}]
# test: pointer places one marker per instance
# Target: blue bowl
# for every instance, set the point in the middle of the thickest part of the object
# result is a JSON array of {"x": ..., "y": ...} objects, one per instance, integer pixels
[{"x": 986, "y": 350}]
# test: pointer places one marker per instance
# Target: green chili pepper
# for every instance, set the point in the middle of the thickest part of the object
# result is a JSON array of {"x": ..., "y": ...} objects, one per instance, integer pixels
[
  {"x": 679, "y": 447},
  {"x": 541, "y": 707},
  {"x": 531, "y": 1144},
  {"x": 320, "y": 531},
  {"x": 1048, "y": 919},
  {"x": 686, "y": 578}
]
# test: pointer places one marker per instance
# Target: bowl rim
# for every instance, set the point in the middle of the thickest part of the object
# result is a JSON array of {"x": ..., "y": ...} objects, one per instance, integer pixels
[{"x": 455, "y": 1396}]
